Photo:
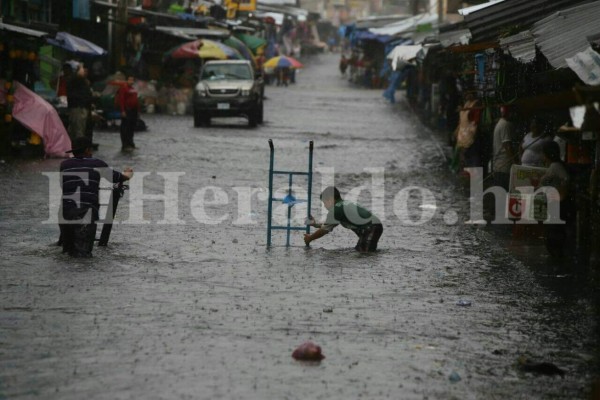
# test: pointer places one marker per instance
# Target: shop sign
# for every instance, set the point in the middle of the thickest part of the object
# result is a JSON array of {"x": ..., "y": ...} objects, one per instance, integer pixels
[{"x": 521, "y": 202}]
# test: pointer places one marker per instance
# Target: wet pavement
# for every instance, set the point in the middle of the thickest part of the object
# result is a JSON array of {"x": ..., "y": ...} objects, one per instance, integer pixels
[{"x": 204, "y": 311}]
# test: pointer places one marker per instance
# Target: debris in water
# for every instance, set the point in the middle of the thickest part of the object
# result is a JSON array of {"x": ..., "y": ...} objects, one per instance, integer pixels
[
  {"x": 328, "y": 309},
  {"x": 454, "y": 377},
  {"x": 542, "y": 368},
  {"x": 308, "y": 351},
  {"x": 234, "y": 241},
  {"x": 464, "y": 303}
]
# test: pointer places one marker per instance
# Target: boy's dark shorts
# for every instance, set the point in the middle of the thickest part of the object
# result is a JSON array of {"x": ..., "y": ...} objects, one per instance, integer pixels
[{"x": 368, "y": 238}]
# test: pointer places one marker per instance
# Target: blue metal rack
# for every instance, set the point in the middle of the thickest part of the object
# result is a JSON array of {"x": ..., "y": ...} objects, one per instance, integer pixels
[{"x": 289, "y": 199}]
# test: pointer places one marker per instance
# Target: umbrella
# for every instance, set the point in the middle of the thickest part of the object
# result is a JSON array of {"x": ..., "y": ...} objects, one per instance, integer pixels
[
  {"x": 282, "y": 62},
  {"x": 38, "y": 115},
  {"x": 237, "y": 44},
  {"x": 76, "y": 45},
  {"x": 204, "y": 48},
  {"x": 254, "y": 43}
]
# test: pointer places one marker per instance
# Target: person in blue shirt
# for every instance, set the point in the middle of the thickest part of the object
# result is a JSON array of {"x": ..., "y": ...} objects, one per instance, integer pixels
[{"x": 350, "y": 215}]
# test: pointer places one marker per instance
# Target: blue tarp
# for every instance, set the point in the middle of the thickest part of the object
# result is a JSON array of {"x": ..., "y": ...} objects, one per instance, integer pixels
[{"x": 366, "y": 35}]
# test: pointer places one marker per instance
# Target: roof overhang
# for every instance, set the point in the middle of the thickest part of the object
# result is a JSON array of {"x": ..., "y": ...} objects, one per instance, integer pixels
[
  {"x": 277, "y": 2},
  {"x": 293, "y": 11},
  {"x": 21, "y": 30},
  {"x": 408, "y": 25},
  {"x": 469, "y": 10},
  {"x": 379, "y": 21},
  {"x": 520, "y": 46},
  {"x": 153, "y": 15},
  {"x": 461, "y": 36},
  {"x": 564, "y": 33},
  {"x": 192, "y": 33}
]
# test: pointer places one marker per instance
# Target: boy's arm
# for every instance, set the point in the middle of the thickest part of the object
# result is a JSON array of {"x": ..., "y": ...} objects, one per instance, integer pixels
[
  {"x": 311, "y": 222},
  {"x": 319, "y": 233}
]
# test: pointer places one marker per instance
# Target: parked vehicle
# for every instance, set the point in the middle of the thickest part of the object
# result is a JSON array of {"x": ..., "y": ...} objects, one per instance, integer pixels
[{"x": 228, "y": 88}]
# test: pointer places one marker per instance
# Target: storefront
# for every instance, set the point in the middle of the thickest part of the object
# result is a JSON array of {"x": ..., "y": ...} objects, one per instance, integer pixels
[{"x": 19, "y": 62}]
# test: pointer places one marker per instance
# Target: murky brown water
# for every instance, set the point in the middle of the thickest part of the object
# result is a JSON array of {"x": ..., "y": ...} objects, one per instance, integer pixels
[{"x": 205, "y": 311}]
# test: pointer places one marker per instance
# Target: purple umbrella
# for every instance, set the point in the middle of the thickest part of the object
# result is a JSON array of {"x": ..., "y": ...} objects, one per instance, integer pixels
[{"x": 76, "y": 45}]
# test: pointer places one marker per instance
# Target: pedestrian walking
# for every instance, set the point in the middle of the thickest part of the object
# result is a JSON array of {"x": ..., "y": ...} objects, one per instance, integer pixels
[
  {"x": 79, "y": 102},
  {"x": 396, "y": 78},
  {"x": 557, "y": 177},
  {"x": 80, "y": 180},
  {"x": 343, "y": 65},
  {"x": 504, "y": 156},
  {"x": 351, "y": 216},
  {"x": 89, "y": 123},
  {"x": 128, "y": 101}
]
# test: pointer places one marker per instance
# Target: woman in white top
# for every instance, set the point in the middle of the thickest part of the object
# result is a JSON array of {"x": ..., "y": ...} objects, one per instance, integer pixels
[{"x": 532, "y": 145}]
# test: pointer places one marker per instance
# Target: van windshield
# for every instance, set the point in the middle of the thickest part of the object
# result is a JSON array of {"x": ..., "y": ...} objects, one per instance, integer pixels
[{"x": 226, "y": 71}]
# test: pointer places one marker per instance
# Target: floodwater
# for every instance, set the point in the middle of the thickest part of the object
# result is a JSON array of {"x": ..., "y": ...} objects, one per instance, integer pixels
[{"x": 197, "y": 310}]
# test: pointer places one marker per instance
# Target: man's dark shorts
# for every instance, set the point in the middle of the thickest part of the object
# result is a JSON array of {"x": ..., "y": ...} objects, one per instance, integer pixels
[
  {"x": 368, "y": 238},
  {"x": 78, "y": 231}
]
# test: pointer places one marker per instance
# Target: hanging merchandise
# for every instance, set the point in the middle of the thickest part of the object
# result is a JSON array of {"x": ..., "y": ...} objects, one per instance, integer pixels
[
  {"x": 490, "y": 74},
  {"x": 480, "y": 67},
  {"x": 503, "y": 95},
  {"x": 9, "y": 97}
]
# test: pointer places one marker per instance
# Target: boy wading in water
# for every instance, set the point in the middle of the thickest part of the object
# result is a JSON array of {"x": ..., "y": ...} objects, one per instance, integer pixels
[{"x": 361, "y": 221}]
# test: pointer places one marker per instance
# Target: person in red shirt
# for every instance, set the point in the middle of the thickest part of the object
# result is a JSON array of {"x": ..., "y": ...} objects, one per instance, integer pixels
[
  {"x": 130, "y": 108},
  {"x": 61, "y": 87}
]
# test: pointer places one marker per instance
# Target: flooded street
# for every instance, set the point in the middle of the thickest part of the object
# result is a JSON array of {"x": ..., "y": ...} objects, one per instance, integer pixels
[{"x": 197, "y": 310}]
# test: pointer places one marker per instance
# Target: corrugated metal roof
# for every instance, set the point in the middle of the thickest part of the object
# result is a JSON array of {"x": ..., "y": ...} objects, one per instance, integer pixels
[
  {"x": 378, "y": 22},
  {"x": 594, "y": 39},
  {"x": 277, "y": 2},
  {"x": 469, "y": 10},
  {"x": 564, "y": 34},
  {"x": 408, "y": 25},
  {"x": 492, "y": 21},
  {"x": 449, "y": 38},
  {"x": 520, "y": 46},
  {"x": 192, "y": 33}
]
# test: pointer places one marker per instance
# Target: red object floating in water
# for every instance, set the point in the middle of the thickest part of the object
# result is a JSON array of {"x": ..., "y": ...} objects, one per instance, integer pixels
[{"x": 308, "y": 351}]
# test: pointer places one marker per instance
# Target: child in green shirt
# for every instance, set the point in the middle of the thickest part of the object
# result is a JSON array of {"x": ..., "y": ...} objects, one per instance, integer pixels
[{"x": 350, "y": 215}]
